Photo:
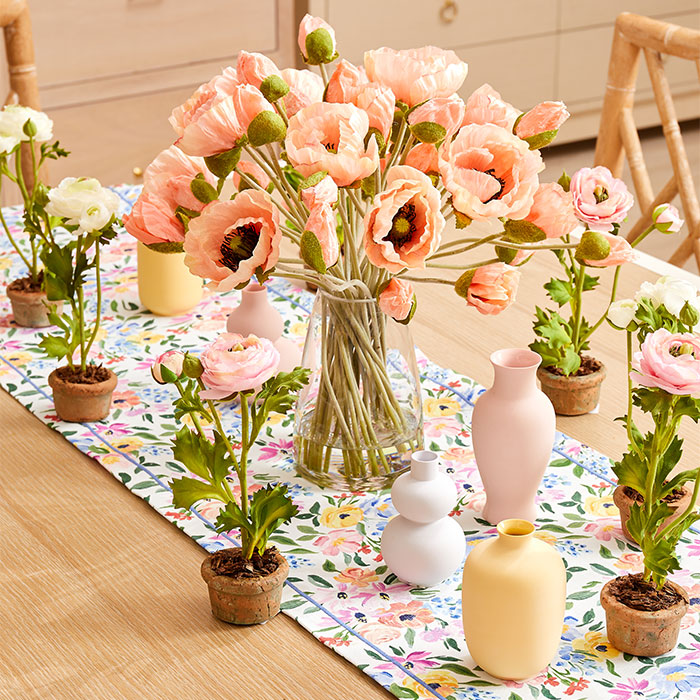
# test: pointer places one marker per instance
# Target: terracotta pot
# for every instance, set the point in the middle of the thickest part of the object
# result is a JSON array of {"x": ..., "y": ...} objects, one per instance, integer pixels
[
  {"x": 82, "y": 403},
  {"x": 642, "y": 632},
  {"x": 572, "y": 396},
  {"x": 29, "y": 308},
  {"x": 245, "y": 601},
  {"x": 624, "y": 503}
]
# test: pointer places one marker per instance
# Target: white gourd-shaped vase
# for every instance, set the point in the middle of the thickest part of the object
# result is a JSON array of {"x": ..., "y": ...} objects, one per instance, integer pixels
[{"x": 423, "y": 545}]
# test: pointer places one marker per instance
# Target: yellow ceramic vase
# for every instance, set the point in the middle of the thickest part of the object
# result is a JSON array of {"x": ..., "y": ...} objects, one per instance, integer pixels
[
  {"x": 513, "y": 602},
  {"x": 166, "y": 286}
]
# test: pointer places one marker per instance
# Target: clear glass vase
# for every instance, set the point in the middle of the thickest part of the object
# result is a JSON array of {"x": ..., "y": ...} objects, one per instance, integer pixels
[{"x": 360, "y": 416}]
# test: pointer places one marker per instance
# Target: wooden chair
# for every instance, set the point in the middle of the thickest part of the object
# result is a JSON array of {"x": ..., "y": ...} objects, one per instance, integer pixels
[
  {"x": 617, "y": 135},
  {"x": 19, "y": 49}
]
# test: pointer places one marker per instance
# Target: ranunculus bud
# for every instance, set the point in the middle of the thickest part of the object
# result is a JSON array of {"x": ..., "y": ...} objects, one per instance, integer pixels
[
  {"x": 267, "y": 127},
  {"x": 689, "y": 315},
  {"x": 192, "y": 367},
  {"x": 621, "y": 314},
  {"x": 667, "y": 218},
  {"x": 274, "y": 88},
  {"x": 316, "y": 40},
  {"x": 167, "y": 369}
]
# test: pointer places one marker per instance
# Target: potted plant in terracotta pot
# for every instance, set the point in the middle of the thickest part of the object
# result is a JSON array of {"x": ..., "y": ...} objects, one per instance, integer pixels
[
  {"x": 644, "y": 610},
  {"x": 82, "y": 390},
  {"x": 245, "y": 583},
  {"x": 23, "y": 128},
  {"x": 599, "y": 203}
]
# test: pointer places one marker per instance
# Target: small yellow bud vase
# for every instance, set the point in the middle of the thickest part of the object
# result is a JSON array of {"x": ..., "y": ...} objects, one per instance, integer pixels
[
  {"x": 513, "y": 602},
  {"x": 166, "y": 286}
]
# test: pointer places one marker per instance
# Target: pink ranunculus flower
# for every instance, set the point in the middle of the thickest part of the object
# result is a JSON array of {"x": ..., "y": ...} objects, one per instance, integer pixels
[
  {"x": 337, "y": 541},
  {"x": 485, "y": 106},
  {"x": 423, "y": 157},
  {"x": 234, "y": 363},
  {"x": 231, "y": 239},
  {"x": 397, "y": 299},
  {"x": 310, "y": 24},
  {"x": 546, "y": 116},
  {"x": 331, "y": 137},
  {"x": 620, "y": 252},
  {"x": 170, "y": 359},
  {"x": 323, "y": 192},
  {"x": 553, "y": 210},
  {"x": 669, "y": 361},
  {"x": 152, "y": 220},
  {"x": 345, "y": 82},
  {"x": 667, "y": 218},
  {"x": 448, "y": 112},
  {"x": 250, "y": 167},
  {"x": 493, "y": 288},
  {"x": 322, "y": 223},
  {"x": 416, "y": 75},
  {"x": 305, "y": 88},
  {"x": 490, "y": 172},
  {"x": 405, "y": 224},
  {"x": 600, "y": 200},
  {"x": 253, "y": 68}
]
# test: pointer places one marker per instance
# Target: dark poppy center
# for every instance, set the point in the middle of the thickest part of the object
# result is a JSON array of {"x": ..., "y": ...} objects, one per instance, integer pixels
[
  {"x": 403, "y": 226},
  {"x": 499, "y": 180},
  {"x": 238, "y": 245},
  {"x": 331, "y": 147}
]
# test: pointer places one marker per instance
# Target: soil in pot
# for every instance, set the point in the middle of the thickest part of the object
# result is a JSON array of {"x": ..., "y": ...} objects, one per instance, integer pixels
[
  {"x": 82, "y": 397},
  {"x": 577, "y": 393},
  {"x": 28, "y": 302},
  {"x": 245, "y": 592},
  {"x": 642, "y": 620}
]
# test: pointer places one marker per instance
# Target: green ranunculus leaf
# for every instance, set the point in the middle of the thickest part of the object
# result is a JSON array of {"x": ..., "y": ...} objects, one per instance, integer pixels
[
  {"x": 559, "y": 291},
  {"x": 54, "y": 346},
  {"x": 187, "y": 491},
  {"x": 311, "y": 252}
]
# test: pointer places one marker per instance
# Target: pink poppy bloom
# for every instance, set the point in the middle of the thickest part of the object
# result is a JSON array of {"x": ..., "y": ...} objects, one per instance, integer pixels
[
  {"x": 322, "y": 223},
  {"x": 546, "y": 116},
  {"x": 405, "y": 224},
  {"x": 667, "y": 219},
  {"x": 337, "y": 541},
  {"x": 552, "y": 210},
  {"x": 378, "y": 633},
  {"x": 490, "y": 172},
  {"x": 416, "y": 75},
  {"x": 323, "y": 192},
  {"x": 211, "y": 131},
  {"x": 380, "y": 105},
  {"x": 397, "y": 299},
  {"x": 631, "y": 689},
  {"x": 331, "y": 137},
  {"x": 234, "y": 363},
  {"x": 275, "y": 450},
  {"x": 253, "y": 68},
  {"x": 485, "y": 106},
  {"x": 448, "y": 112},
  {"x": 152, "y": 220},
  {"x": 600, "y": 200},
  {"x": 345, "y": 82},
  {"x": 305, "y": 88},
  {"x": 423, "y": 157},
  {"x": 493, "y": 288},
  {"x": 605, "y": 529},
  {"x": 250, "y": 167},
  {"x": 669, "y": 361},
  {"x": 310, "y": 24},
  {"x": 620, "y": 252},
  {"x": 231, "y": 239},
  {"x": 412, "y": 614}
]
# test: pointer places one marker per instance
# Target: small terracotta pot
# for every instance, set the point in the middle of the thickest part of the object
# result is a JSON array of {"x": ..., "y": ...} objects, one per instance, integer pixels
[
  {"x": 29, "y": 308},
  {"x": 245, "y": 601},
  {"x": 572, "y": 396},
  {"x": 82, "y": 403},
  {"x": 624, "y": 503},
  {"x": 642, "y": 632}
]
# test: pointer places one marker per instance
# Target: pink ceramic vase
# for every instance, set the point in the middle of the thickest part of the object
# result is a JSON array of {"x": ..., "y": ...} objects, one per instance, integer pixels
[{"x": 513, "y": 428}]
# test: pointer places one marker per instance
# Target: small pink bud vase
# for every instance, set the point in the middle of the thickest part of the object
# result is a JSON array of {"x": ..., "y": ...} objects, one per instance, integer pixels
[{"x": 513, "y": 428}]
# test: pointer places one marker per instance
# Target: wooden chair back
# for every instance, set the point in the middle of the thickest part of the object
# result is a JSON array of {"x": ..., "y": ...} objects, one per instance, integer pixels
[{"x": 617, "y": 135}]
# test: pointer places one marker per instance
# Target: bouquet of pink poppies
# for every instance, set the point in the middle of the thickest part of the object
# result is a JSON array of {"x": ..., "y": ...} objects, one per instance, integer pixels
[{"x": 344, "y": 177}]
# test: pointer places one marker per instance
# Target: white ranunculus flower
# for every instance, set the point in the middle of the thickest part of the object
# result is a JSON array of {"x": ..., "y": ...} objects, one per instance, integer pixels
[
  {"x": 621, "y": 313},
  {"x": 669, "y": 291},
  {"x": 83, "y": 202},
  {"x": 12, "y": 121}
]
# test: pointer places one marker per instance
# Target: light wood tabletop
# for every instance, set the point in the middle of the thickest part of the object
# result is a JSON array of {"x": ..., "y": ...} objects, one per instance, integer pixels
[{"x": 100, "y": 597}]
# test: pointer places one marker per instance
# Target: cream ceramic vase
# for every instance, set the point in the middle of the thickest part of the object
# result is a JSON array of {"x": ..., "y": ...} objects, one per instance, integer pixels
[
  {"x": 166, "y": 286},
  {"x": 513, "y": 428},
  {"x": 513, "y": 602}
]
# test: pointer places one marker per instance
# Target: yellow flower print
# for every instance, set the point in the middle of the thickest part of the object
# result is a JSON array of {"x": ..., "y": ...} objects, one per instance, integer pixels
[
  {"x": 603, "y": 506},
  {"x": 595, "y": 645},
  {"x": 111, "y": 458},
  {"x": 145, "y": 338},
  {"x": 344, "y": 516},
  {"x": 275, "y": 418},
  {"x": 298, "y": 329},
  {"x": 128, "y": 443},
  {"x": 441, "y": 407},
  {"x": 5, "y": 262},
  {"x": 547, "y": 537},
  {"x": 17, "y": 357},
  {"x": 443, "y": 682}
]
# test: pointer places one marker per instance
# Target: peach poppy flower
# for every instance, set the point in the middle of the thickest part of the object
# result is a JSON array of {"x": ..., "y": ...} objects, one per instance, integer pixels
[
  {"x": 380, "y": 105},
  {"x": 416, "y": 75},
  {"x": 253, "y": 68},
  {"x": 553, "y": 210},
  {"x": 345, "y": 82},
  {"x": 356, "y": 576},
  {"x": 322, "y": 223},
  {"x": 412, "y": 614},
  {"x": 448, "y": 112},
  {"x": 331, "y": 137},
  {"x": 397, "y": 299},
  {"x": 485, "y": 106},
  {"x": 490, "y": 172},
  {"x": 250, "y": 167},
  {"x": 423, "y": 157},
  {"x": 305, "y": 88},
  {"x": 493, "y": 288},
  {"x": 212, "y": 128},
  {"x": 152, "y": 220},
  {"x": 620, "y": 253},
  {"x": 546, "y": 116},
  {"x": 323, "y": 192},
  {"x": 405, "y": 224},
  {"x": 231, "y": 239}
]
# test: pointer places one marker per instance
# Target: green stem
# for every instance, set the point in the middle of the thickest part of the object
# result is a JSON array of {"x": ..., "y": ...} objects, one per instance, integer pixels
[
  {"x": 98, "y": 314},
  {"x": 13, "y": 242},
  {"x": 580, "y": 277},
  {"x": 642, "y": 236},
  {"x": 686, "y": 513},
  {"x": 613, "y": 294},
  {"x": 245, "y": 445}
]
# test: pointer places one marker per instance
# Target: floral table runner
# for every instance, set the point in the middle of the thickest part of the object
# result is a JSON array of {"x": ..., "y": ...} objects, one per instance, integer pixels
[{"x": 409, "y": 640}]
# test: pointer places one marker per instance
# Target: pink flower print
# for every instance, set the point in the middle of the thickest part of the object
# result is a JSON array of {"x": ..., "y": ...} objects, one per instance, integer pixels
[
  {"x": 694, "y": 595},
  {"x": 632, "y": 561},
  {"x": 378, "y": 633},
  {"x": 411, "y": 614},
  {"x": 277, "y": 450},
  {"x": 434, "y": 634},
  {"x": 113, "y": 429},
  {"x": 337, "y": 541},
  {"x": 631, "y": 689},
  {"x": 125, "y": 399},
  {"x": 477, "y": 502},
  {"x": 694, "y": 549},
  {"x": 438, "y": 428},
  {"x": 539, "y": 679},
  {"x": 418, "y": 660},
  {"x": 693, "y": 654},
  {"x": 605, "y": 529}
]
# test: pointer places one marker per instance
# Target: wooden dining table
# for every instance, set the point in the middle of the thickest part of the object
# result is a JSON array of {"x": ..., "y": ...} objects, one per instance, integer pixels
[{"x": 100, "y": 597}]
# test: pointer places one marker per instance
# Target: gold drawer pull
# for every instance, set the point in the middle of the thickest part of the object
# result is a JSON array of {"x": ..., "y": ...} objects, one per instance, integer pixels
[{"x": 449, "y": 11}]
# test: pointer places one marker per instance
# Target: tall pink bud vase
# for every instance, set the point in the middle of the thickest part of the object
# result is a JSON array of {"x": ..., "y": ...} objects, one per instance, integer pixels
[{"x": 513, "y": 428}]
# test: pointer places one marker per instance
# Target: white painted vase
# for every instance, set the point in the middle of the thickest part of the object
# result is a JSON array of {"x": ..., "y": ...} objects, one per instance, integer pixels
[{"x": 423, "y": 545}]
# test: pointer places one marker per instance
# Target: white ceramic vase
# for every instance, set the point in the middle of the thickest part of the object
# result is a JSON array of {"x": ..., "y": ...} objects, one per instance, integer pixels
[{"x": 423, "y": 545}]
